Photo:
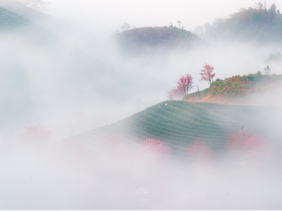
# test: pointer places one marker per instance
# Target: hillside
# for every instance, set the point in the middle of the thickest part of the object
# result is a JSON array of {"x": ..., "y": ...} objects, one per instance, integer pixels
[
  {"x": 178, "y": 123},
  {"x": 9, "y": 20},
  {"x": 21, "y": 9},
  {"x": 253, "y": 25},
  {"x": 14, "y": 24},
  {"x": 141, "y": 40},
  {"x": 252, "y": 89}
]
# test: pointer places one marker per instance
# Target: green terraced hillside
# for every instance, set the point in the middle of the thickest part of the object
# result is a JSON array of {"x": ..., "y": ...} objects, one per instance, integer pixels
[
  {"x": 11, "y": 22},
  {"x": 178, "y": 123}
]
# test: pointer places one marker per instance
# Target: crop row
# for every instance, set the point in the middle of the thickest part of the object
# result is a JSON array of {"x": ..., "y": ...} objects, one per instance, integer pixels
[{"x": 178, "y": 125}]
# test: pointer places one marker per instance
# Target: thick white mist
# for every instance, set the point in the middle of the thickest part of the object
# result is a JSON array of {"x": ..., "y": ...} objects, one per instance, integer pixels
[{"x": 81, "y": 82}]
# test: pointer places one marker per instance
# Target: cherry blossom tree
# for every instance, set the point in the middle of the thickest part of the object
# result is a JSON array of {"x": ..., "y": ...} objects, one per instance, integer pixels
[
  {"x": 200, "y": 150},
  {"x": 207, "y": 73},
  {"x": 185, "y": 83},
  {"x": 175, "y": 94}
]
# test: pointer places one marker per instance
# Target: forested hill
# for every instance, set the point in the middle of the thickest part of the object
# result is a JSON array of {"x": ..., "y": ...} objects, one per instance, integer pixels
[
  {"x": 255, "y": 24},
  {"x": 141, "y": 40}
]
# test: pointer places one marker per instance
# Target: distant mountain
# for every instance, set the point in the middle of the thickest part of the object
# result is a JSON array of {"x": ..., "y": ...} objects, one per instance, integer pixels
[
  {"x": 253, "y": 25},
  {"x": 143, "y": 40}
]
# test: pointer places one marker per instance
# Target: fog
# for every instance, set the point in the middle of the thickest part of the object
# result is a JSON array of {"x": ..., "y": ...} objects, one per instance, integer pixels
[{"x": 80, "y": 81}]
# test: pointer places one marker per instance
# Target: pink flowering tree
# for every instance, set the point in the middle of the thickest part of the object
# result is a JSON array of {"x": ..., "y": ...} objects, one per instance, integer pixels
[
  {"x": 207, "y": 73},
  {"x": 184, "y": 84},
  {"x": 175, "y": 94},
  {"x": 36, "y": 133},
  {"x": 200, "y": 150},
  {"x": 156, "y": 146}
]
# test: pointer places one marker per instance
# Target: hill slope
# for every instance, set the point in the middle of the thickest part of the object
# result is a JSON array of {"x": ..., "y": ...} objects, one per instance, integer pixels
[
  {"x": 18, "y": 26},
  {"x": 255, "y": 25},
  {"x": 178, "y": 123},
  {"x": 252, "y": 89}
]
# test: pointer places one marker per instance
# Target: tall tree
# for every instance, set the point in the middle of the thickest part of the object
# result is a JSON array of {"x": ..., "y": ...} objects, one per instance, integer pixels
[
  {"x": 185, "y": 83},
  {"x": 207, "y": 73}
]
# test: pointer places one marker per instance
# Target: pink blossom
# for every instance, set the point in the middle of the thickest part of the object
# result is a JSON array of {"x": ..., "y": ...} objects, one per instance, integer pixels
[
  {"x": 207, "y": 74},
  {"x": 185, "y": 83}
]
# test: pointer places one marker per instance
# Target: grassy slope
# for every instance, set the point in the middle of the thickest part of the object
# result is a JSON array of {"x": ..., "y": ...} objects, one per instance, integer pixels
[
  {"x": 178, "y": 123},
  {"x": 234, "y": 88}
]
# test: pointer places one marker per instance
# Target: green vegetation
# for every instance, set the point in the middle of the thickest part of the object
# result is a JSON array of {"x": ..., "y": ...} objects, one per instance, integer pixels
[
  {"x": 10, "y": 20},
  {"x": 255, "y": 24},
  {"x": 178, "y": 123},
  {"x": 236, "y": 85}
]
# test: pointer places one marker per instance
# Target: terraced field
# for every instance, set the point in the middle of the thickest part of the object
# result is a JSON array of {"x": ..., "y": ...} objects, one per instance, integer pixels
[
  {"x": 11, "y": 22},
  {"x": 178, "y": 123}
]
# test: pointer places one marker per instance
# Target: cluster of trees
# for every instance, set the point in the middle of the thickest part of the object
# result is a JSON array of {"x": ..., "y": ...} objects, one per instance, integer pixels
[
  {"x": 185, "y": 83},
  {"x": 255, "y": 24}
]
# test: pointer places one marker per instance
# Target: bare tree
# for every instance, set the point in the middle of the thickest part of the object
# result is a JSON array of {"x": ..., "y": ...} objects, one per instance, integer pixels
[
  {"x": 39, "y": 5},
  {"x": 267, "y": 70},
  {"x": 179, "y": 22}
]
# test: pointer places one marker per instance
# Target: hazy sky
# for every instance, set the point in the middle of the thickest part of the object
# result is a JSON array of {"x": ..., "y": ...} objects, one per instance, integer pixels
[{"x": 109, "y": 15}]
